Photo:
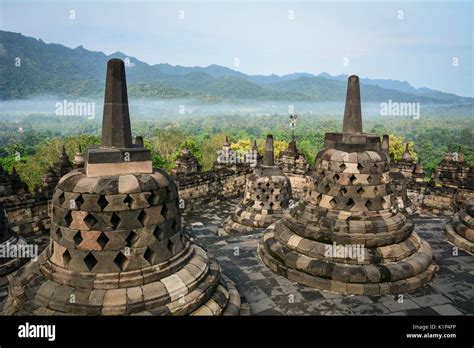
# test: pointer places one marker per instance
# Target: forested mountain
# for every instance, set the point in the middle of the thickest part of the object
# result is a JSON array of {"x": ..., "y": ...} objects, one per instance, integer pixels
[{"x": 30, "y": 67}]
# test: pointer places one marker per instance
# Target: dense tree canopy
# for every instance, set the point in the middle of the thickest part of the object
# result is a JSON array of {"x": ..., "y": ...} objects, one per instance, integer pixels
[{"x": 36, "y": 146}]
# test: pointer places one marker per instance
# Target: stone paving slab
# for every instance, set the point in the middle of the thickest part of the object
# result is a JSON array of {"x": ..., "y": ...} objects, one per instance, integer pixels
[{"x": 451, "y": 291}]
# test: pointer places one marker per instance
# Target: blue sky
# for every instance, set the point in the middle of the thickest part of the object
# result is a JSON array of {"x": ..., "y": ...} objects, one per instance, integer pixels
[{"x": 369, "y": 35}]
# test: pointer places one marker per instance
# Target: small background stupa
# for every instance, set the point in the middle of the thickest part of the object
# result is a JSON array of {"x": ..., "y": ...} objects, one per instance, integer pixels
[
  {"x": 294, "y": 165},
  {"x": 267, "y": 194}
]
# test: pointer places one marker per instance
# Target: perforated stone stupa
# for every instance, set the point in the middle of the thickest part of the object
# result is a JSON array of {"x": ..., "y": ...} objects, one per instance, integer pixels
[
  {"x": 294, "y": 165},
  {"x": 117, "y": 246},
  {"x": 186, "y": 164},
  {"x": 267, "y": 194},
  {"x": 460, "y": 230},
  {"x": 347, "y": 236}
]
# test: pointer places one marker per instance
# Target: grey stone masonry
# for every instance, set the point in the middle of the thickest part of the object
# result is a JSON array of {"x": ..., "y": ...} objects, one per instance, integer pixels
[
  {"x": 460, "y": 229},
  {"x": 347, "y": 235}
]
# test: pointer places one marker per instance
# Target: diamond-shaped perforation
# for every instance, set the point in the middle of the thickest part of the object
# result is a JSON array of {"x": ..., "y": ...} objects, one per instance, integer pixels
[
  {"x": 343, "y": 190},
  {"x": 368, "y": 204},
  {"x": 59, "y": 234},
  {"x": 61, "y": 198},
  {"x": 149, "y": 255},
  {"x": 131, "y": 239},
  {"x": 360, "y": 166},
  {"x": 333, "y": 203},
  {"x": 376, "y": 190},
  {"x": 66, "y": 257},
  {"x": 326, "y": 188},
  {"x": 121, "y": 261},
  {"x": 158, "y": 233},
  {"x": 90, "y": 261},
  {"x": 153, "y": 199},
  {"x": 68, "y": 218},
  {"x": 318, "y": 198},
  {"x": 79, "y": 201},
  {"x": 342, "y": 167},
  {"x": 90, "y": 221},
  {"x": 77, "y": 238},
  {"x": 350, "y": 203},
  {"x": 102, "y": 240},
  {"x": 128, "y": 201},
  {"x": 102, "y": 202},
  {"x": 336, "y": 177},
  {"x": 353, "y": 178},
  {"x": 360, "y": 190},
  {"x": 369, "y": 178},
  {"x": 142, "y": 217},
  {"x": 115, "y": 221}
]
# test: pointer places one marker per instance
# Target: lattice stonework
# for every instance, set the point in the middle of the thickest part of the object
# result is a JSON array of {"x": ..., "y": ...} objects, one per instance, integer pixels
[
  {"x": 113, "y": 221},
  {"x": 347, "y": 235}
]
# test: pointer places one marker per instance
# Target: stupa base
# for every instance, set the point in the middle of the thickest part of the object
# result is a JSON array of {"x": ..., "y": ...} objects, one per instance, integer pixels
[
  {"x": 401, "y": 274},
  {"x": 197, "y": 288},
  {"x": 454, "y": 238},
  {"x": 229, "y": 226}
]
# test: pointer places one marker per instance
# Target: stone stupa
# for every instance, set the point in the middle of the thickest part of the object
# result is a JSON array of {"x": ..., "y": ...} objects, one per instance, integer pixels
[
  {"x": 267, "y": 194},
  {"x": 117, "y": 246},
  {"x": 418, "y": 177},
  {"x": 460, "y": 229},
  {"x": 186, "y": 164},
  {"x": 347, "y": 236},
  {"x": 294, "y": 164},
  {"x": 55, "y": 173}
]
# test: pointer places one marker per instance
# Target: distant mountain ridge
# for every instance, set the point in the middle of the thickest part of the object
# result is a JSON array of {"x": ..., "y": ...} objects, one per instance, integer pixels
[{"x": 58, "y": 70}]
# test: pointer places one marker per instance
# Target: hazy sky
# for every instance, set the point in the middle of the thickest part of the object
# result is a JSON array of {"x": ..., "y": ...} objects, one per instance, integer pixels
[{"x": 375, "y": 38}]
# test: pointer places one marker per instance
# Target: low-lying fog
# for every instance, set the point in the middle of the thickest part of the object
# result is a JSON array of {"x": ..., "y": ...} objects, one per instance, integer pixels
[{"x": 162, "y": 109}]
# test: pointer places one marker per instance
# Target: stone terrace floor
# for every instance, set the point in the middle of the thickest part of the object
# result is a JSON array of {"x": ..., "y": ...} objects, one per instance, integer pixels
[{"x": 451, "y": 292}]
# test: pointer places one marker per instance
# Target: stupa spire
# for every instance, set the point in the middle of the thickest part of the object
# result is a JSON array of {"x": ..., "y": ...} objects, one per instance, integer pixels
[
  {"x": 268, "y": 158},
  {"x": 352, "y": 113},
  {"x": 116, "y": 130}
]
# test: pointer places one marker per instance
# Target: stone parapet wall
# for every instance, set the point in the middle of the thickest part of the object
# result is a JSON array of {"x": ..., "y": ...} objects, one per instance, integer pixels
[
  {"x": 210, "y": 187},
  {"x": 28, "y": 214}
]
